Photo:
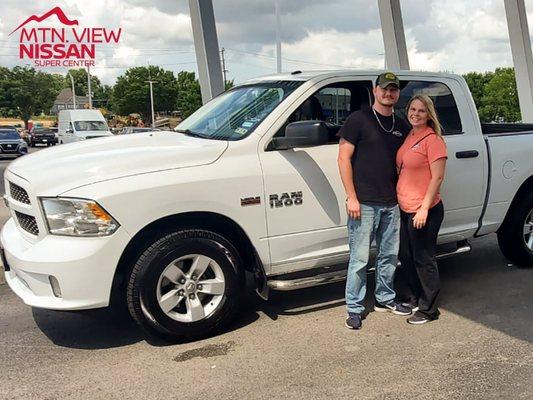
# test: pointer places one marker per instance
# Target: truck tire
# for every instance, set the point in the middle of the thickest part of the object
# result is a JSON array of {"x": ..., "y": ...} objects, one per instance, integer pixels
[
  {"x": 515, "y": 236},
  {"x": 185, "y": 285}
]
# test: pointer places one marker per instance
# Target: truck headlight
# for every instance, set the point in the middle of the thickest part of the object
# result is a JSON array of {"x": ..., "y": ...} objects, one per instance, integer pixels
[{"x": 77, "y": 217}]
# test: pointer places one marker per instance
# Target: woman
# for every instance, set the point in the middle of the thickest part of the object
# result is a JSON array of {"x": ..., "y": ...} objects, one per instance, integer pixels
[{"x": 421, "y": 163}]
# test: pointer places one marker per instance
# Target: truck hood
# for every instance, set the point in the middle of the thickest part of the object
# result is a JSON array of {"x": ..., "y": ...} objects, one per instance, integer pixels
[{"x": 55, "y": 170}]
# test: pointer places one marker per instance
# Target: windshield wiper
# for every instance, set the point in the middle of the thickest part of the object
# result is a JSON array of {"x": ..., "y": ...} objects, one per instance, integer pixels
[{"x": 188, "y": 132}]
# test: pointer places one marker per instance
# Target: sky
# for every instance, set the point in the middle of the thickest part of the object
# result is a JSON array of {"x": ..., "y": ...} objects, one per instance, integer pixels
[{"x": 442, "y": 35}]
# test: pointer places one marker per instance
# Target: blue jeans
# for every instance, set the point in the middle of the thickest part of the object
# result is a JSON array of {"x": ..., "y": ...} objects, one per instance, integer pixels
[{"x": 383, "y": 223}]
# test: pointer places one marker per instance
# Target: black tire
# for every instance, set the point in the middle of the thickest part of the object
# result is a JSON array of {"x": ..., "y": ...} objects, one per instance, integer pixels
[
  {"x": 143, "y": 282},
  {"x": 32, "y": 144},
  {"x": 511, "y": 234}
]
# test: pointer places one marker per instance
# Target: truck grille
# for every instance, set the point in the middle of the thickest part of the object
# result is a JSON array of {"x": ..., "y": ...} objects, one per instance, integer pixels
[
  {"x": 28, "y": 223},
  {"x": 18, "y": 193}
]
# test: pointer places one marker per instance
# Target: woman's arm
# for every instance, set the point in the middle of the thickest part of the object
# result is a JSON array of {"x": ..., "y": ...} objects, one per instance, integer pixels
[{"x": 437, "y": 169}]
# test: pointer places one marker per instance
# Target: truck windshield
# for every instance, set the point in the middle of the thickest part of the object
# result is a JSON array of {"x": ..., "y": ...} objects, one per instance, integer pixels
[
  {"x": 235, "y": 114},
  {"x": 90, "y": 126}
]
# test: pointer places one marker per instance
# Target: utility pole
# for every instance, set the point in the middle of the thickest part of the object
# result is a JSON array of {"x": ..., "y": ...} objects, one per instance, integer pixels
[
  {"x": 89, "y": 94},
  {"x": 151, "y": 82},
  {"x": 278, "y": 36},
  {"x": 152, "y": 101},
  {"x": 224, "y": 70},
  {"x": 73, "y": 92}
]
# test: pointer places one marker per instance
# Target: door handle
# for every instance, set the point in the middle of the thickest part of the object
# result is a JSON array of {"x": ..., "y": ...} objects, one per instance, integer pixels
[{"x": 467, "y": 154}]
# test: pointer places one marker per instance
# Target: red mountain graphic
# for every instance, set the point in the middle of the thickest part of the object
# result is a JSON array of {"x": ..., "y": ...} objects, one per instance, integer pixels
[{"x": 58, "y": 13}]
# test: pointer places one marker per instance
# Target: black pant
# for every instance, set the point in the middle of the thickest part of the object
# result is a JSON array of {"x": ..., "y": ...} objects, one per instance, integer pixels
[{"x": 419, "y": 276}]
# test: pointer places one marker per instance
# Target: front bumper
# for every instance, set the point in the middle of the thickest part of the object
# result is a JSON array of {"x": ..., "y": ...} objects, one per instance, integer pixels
[
  {"x": 43, "y": 140},
  {"x": 83, "y": 267}
]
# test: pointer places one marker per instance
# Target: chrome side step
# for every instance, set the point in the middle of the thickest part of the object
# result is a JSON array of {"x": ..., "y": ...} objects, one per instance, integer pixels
[
  {"x": 301, "y": 283},
  {"x": 462, "y": 247},
  {"x": 339, "y": 276}
]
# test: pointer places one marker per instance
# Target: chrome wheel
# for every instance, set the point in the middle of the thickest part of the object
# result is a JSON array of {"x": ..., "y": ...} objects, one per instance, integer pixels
[
  {"x": 528, "y": 231},
  {"x": 190, "y": 288}
]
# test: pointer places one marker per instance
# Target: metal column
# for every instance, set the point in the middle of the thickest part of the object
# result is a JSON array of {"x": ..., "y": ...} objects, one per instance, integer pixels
[
  {"x": 522, "y": 58},
  {"x": 390, "y": 14},
  {"x": 206, "y": 47},
  {"x": 278, "y": 36}
]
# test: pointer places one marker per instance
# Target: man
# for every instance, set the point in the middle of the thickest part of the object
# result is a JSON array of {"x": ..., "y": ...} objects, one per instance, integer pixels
[{"x": 369, "y": 141}]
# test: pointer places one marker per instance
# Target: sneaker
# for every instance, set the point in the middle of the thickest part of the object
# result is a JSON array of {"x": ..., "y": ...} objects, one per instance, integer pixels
[
  {"x": 393, "y": 307},
  {"x": 418, "y": 319},
  {"x": 412, "y": 306},
  {"x": 353, "y": 321}
]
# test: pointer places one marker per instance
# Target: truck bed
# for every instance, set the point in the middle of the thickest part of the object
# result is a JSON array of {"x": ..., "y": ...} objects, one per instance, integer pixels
[{"x": 504, "y": 129}]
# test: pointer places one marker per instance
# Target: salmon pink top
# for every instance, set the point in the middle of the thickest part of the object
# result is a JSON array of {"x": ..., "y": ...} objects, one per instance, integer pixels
[{"x": 413, "y": 159}]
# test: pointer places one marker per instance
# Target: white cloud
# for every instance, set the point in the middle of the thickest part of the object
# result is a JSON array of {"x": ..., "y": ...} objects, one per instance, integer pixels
[
  {"x": 333, "y": 50},
  {"x": 451, "y": 35}
]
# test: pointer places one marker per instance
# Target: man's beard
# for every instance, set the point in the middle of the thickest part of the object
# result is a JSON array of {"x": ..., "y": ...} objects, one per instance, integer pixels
[{"x": 391, "y": 105}]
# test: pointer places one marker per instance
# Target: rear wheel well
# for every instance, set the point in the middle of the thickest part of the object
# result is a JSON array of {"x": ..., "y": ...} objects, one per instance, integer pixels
[
  {"x": 214, "y": 222},
  {"x": 525, "y": 189}
]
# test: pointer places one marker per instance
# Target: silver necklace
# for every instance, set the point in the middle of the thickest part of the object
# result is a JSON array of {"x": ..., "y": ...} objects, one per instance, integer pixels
[{"x": 380, "y": 124}]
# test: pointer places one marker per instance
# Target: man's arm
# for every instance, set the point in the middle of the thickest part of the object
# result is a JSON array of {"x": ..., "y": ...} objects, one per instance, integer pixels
[{"x": 346, "y": 150}]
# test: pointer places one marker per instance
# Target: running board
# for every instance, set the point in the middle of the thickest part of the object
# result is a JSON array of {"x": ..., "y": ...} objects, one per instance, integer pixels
[
  {"x": 301, "y": 283},
  {"x": 339, "y": 276},
  {"x": 462, "y": 247}
]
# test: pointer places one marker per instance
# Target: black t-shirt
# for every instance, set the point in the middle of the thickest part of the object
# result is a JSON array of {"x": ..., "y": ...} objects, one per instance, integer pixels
[{"x": 374, "y": 158}]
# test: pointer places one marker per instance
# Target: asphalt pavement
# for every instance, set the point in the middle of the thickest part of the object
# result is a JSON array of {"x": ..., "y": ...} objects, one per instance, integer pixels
[{"x": 294, "y": 346}]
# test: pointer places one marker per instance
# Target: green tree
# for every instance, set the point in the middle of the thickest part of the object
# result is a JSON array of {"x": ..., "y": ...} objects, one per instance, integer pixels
[
  {"x": 228, "y": 85},
  {"x": 189, "y": 97},
  {"x": 495, "y": 95},
  {"x": 102, "y": 96},
  {"x": 131, "y": 93},
  {"x": 500, "y": 97},
  {"x": 81, "y": 81},
  {"x": 189, "y": 93},
  {"x": 5, "y": 97},
  {"x": 476, "y": 83},
  {"x": 30, "y": 92}
]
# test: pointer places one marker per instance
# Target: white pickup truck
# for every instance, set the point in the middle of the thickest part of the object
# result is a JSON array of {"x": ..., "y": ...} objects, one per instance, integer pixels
[{"x": 171, "y": 222}]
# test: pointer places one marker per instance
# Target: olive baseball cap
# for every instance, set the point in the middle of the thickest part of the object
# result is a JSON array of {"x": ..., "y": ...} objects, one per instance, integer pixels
[{"x": 387, "y": 78}]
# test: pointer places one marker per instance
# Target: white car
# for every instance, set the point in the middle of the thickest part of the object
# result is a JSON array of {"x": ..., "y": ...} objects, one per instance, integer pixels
[{"x": 170, "y": 223}]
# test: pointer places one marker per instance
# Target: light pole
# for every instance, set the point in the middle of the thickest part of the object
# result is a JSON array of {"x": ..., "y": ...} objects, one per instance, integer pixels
[
  {"x": 89, "y": 94},
  {"x": 73, "y": 92},
  {"x": 152, "y": 101}
]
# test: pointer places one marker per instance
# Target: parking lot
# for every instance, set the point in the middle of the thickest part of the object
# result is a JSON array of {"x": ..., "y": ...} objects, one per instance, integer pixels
[{"x": 293, "y": 346}]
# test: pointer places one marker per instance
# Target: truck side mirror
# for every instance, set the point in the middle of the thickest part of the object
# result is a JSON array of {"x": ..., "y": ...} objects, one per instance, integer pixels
[
  {"x": 69, "y": 131},
  {"x": 301, "y": 134}
]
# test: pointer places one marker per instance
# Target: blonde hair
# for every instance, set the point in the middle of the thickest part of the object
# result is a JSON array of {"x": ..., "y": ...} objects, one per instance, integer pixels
[{"x": 433, "y": 118}]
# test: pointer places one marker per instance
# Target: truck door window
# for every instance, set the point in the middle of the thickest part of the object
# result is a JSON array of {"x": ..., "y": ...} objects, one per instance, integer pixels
[
  {"x": 332, "y": 104},
  {"x": 442, "y": 98},
  {"x": 335, "y": 104}
]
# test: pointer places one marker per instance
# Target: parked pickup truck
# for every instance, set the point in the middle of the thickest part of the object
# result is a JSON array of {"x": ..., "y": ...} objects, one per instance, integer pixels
[{"x": 173, "y": 223}]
